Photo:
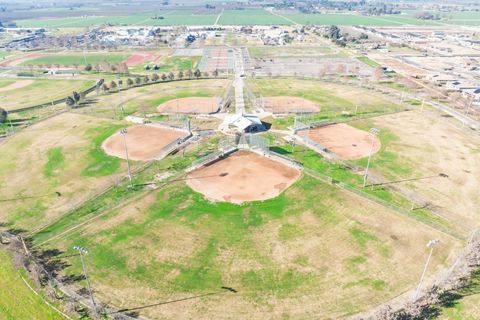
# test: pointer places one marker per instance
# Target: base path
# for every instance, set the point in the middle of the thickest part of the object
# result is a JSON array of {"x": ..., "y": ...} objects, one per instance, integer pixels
[
  {"x": 347, "y": 142},
  {"x": 16, "y": 85},
  {"x": 287, "y": 104},
  {"x": 144, "y": 142},
  {"x": 243, "y": 176},
  {"x": 193, "y": 105}
]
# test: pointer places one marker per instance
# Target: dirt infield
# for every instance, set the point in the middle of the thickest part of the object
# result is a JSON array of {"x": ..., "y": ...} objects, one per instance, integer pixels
[
  {"x": 243, "y": 176},
  {"x": 139, "y": 58},
  {"x": 144, "y": 142},
  {"x": 347, "y": 142},
  {"x": 286, "y": 104},
  {"x": 193, "y": 105},
  {"x": 16, "y": 85}
]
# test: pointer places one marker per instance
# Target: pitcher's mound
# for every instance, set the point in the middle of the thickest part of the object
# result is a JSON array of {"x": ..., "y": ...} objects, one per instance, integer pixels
[
  {"x": 243, "y": 176},
  {"x": 345, "y": 141},
  {"x": 193, "y": 105},
  {"x": 144, "y": 142},
  {"x": 286, "y": 104}
]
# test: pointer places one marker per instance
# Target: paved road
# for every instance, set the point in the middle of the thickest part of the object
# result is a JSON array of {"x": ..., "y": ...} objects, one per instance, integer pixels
[{"x": 238, "y": 83}]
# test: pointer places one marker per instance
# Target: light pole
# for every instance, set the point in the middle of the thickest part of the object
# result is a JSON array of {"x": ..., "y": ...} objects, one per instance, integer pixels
[
  {"x": 123, "y": 132},
  {"x": 83, "y": 251},
  {"x": 431, "y": 244},
  {"x": 374, "y": 132}
]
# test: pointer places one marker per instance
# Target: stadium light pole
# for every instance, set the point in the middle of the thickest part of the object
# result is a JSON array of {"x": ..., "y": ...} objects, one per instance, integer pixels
[
  {"x": 123, "y": 132},
  {"x": 375, "y": 132},
  {"x": 431, "y": 244},
  {"x": 83, "y": 251}
]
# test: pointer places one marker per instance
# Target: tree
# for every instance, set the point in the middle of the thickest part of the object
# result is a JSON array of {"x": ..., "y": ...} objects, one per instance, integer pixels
[
  {"x": 206, "y": 74},
  {"x": 189, "y": 74},
  {"x": 138, "y": 80},
  {"x": 129, "y": 82},
  {"x": 164, "y": 77},
  {"x": 155, "y": 77},
  {"x": 180, "y": 75},
  {"x": 104, "y": 87},
  {"x": 88, "y": 67},
  {"x": 113, "y": 85},
  {"x": 97, "y": 68},
  {"x": 146, "y": 79},
  {"x": 70, "y": 102},
  {"x": 215, "y": 73},
  {"x": 120, "y": 82},
  {"x": 197, "y": 74},
  {"x": 171, "y": 76},
  {"x": 3, "y": 115},
  {"x": 76, "y": 96}
]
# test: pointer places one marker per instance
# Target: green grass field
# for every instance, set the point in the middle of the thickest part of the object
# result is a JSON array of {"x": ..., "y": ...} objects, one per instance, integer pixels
[
  {"x": 52, "y": 165},
  {"x": 42, "y": 91},
  {"x": 15, "y": 290},
  {"x": 175, "y": 64},
  {"x": 334, "y": 99},
  {"x": 274, "y": 248},
  {"x": 246, "y": 17},
  {"x": 70, "y": 59},
  {"x": 250, "y": 17},
  {"x": 4, "y": 83}
]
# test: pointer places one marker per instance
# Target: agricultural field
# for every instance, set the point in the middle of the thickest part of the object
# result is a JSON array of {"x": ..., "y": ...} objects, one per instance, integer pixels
[
  {"x": 72, "y": 59},
  {"x": 251, "y": 17},
  {"x": 15, "y": 290},
  {"x": 32, "y": 92}
]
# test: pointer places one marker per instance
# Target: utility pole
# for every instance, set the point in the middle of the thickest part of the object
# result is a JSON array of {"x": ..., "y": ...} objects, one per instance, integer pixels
[
  {"x": 83, "y": 251},
  {"x": 431, "y": 244},
  {"x": 374, "y": 132},
  {"x": 123, "y": 132}
]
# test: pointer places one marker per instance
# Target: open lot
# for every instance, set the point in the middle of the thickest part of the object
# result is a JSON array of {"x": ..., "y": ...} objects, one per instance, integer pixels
[
  {"x": 344, "y": 141},
  {"x": 144, "y": 142},
  {"x": 33, "y": 92},
  {"x": 199, "y": 105},
  {"x": 242, "y": 176}
]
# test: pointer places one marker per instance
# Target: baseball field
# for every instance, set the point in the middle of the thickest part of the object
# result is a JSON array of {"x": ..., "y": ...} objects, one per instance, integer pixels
[{"x": 278, "y": 233}]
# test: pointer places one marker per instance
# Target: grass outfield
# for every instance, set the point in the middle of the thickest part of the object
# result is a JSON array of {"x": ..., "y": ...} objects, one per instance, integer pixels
[
  {"x": 70, "y": 59},
  {"x": 172, "y": 244},
  {"x": 61, "y": 154},
  {"x": 15, "y": 290},
  {"x": 173, "y": 64},
  {"x": 148, "y": 98},
  {"x": 41, "y": 91},
  {"x": 333, "y": 98}
]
